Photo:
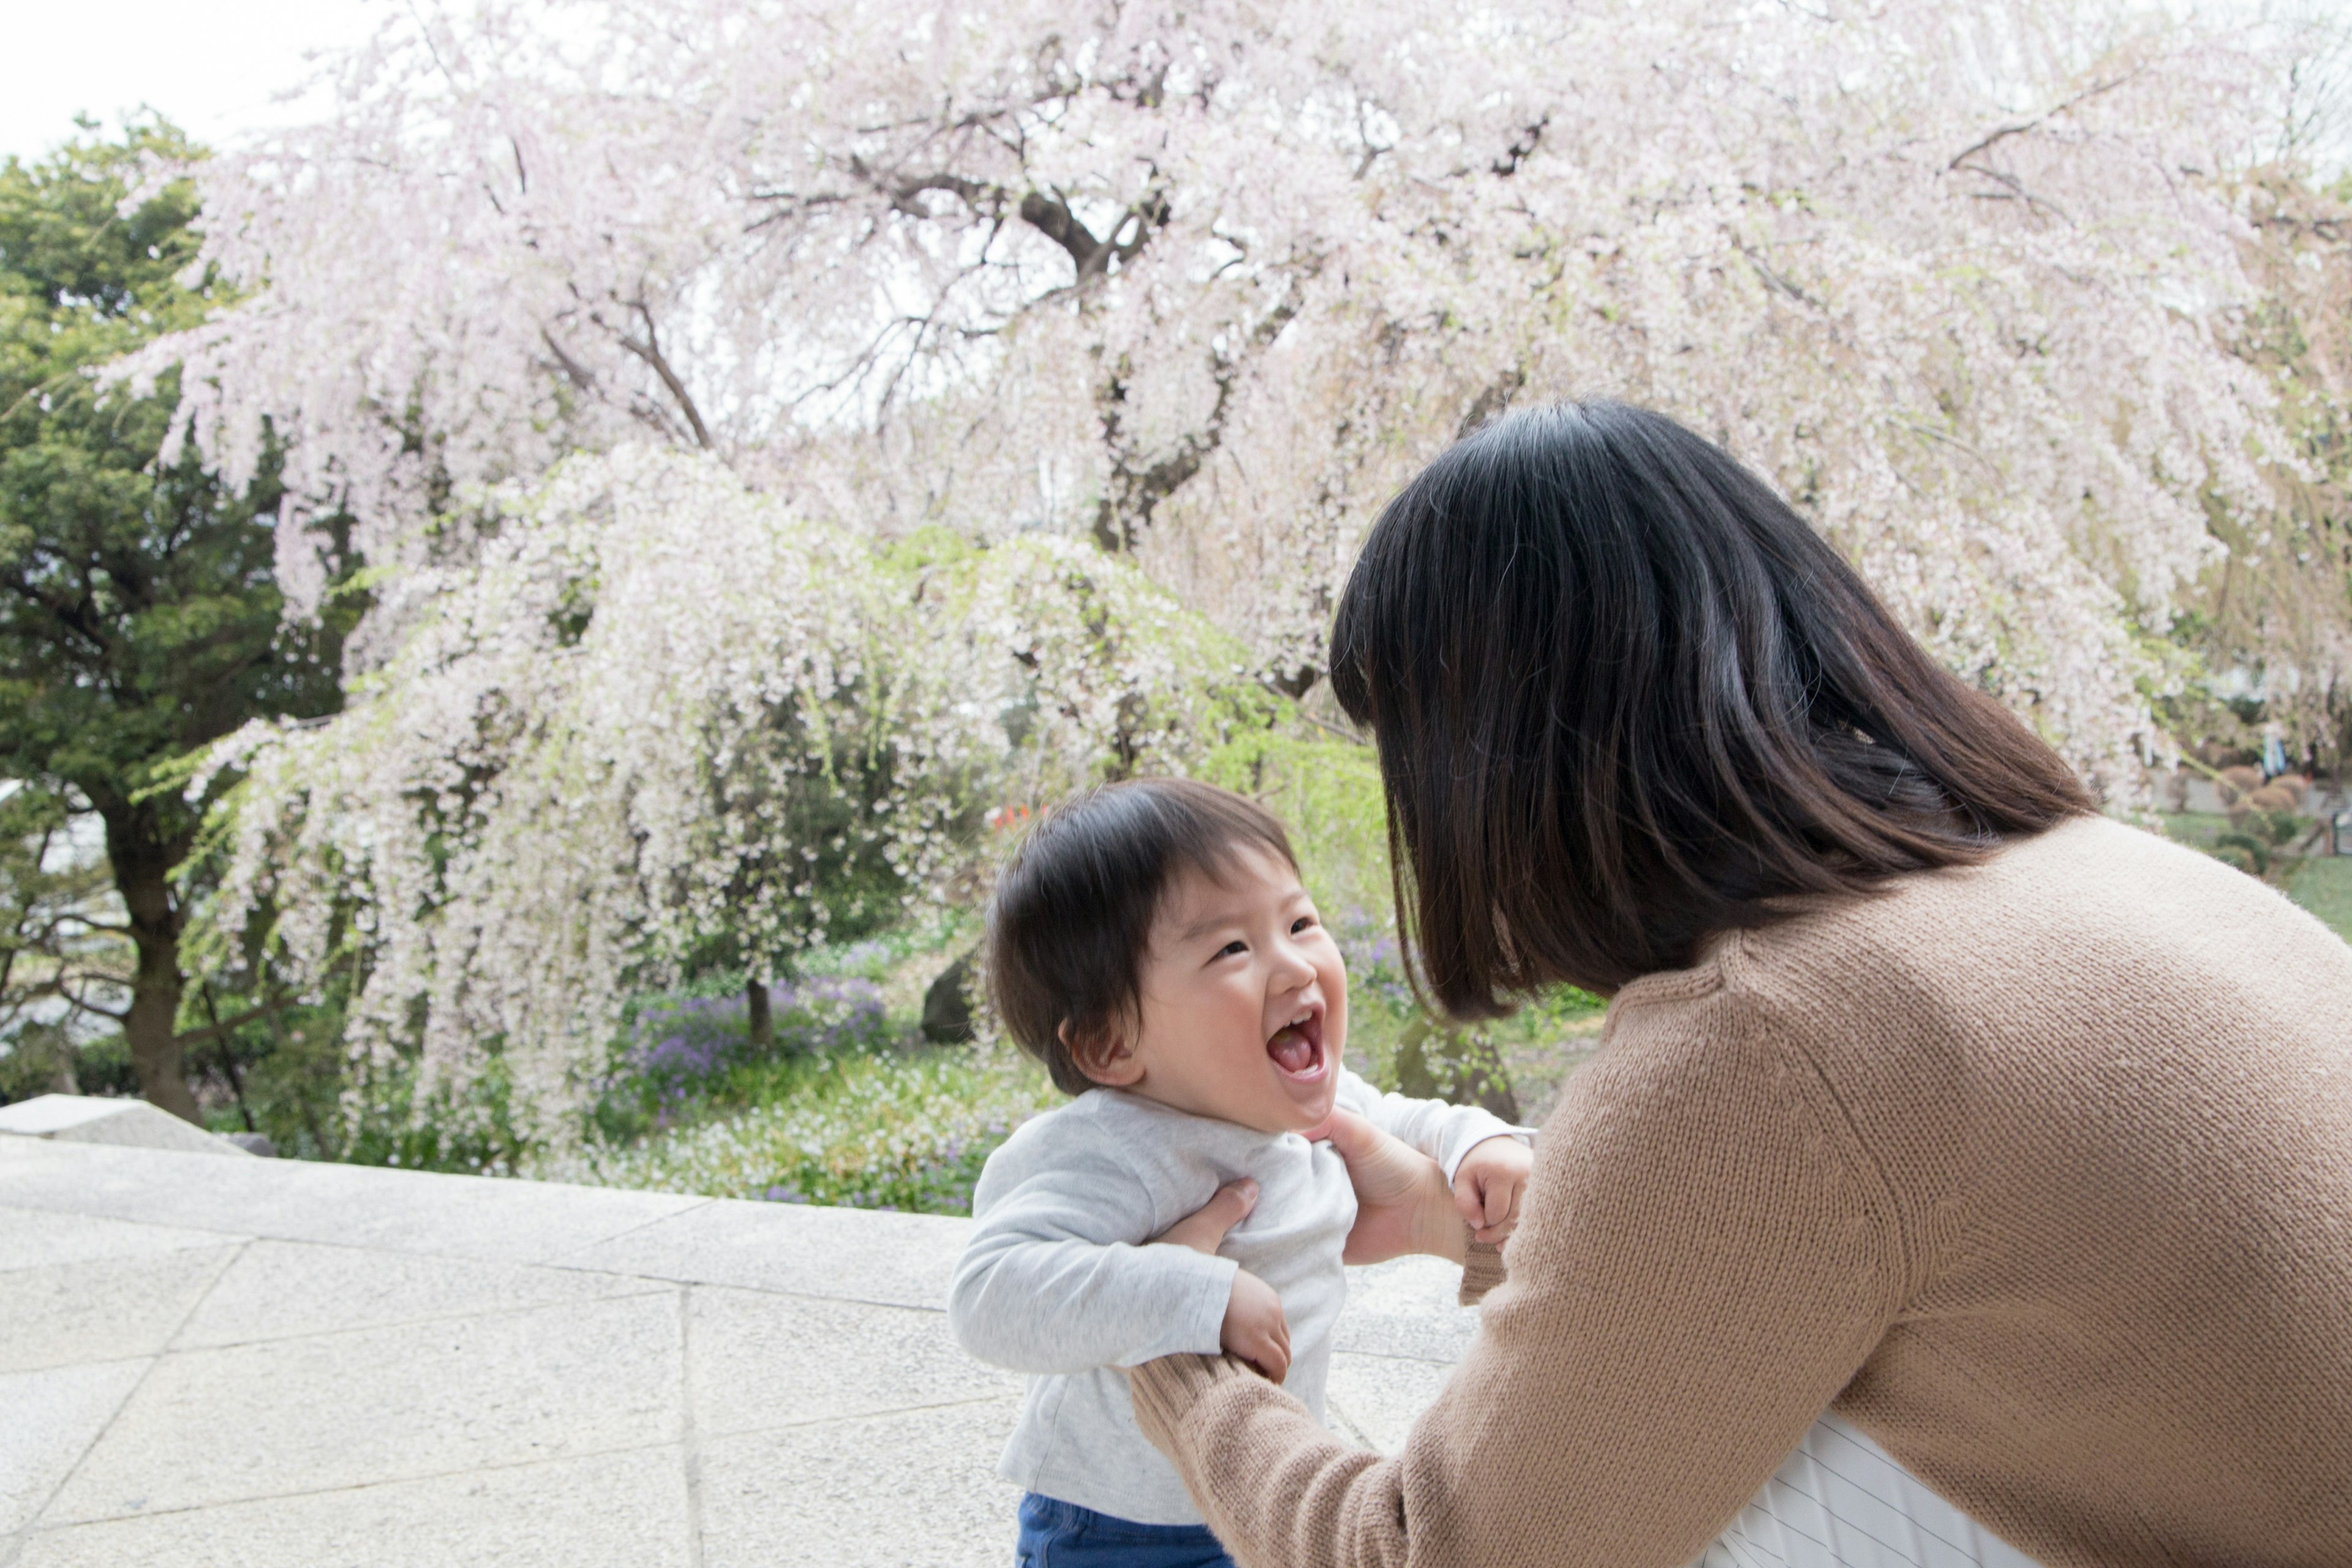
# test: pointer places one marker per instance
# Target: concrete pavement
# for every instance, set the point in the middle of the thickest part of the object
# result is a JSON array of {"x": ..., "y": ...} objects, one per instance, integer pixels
[{"x": 277, "y": 1364}]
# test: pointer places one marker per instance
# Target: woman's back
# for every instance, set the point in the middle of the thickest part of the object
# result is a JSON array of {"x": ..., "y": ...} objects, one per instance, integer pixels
[
  {"x": 2093, "y": 1103},
  {"x": 2021, "y": 1137}
]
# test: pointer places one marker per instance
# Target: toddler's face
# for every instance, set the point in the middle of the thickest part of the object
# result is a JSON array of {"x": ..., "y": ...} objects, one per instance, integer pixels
[{"x": 1244, "y": 1000}]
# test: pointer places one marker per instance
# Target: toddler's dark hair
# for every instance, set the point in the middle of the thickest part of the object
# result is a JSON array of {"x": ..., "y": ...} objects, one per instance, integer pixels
[{"x": 1073, "y": 911}]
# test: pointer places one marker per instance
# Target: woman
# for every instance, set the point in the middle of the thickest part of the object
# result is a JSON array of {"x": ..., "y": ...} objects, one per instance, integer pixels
[{"x": 2019, "y": 1138}]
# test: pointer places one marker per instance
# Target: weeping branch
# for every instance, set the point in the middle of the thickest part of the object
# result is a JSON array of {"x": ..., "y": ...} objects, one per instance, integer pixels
[{"x": 648, "y": 349}]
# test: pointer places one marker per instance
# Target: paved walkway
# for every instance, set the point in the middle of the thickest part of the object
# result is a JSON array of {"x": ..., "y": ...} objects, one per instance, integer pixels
[{"x": 213, "y": 1361}]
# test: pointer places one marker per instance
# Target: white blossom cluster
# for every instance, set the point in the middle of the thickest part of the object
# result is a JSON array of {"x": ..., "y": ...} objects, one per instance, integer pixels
[
  {"x": 1207, "y": 281},
  {"x": 638, "y": 709}
]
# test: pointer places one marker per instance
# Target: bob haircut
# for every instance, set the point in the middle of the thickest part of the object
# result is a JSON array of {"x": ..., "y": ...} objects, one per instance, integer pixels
[
  {"x": 1625, "y": 698},
  {"x": 1071, "y": 919}
]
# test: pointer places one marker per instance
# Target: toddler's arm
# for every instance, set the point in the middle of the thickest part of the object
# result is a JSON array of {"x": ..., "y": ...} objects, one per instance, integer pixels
[
  {"x": 1054, "y": 1279},
  {"x": 1485, "y": 1159},
  {"x": 1444, "y": 1132}
]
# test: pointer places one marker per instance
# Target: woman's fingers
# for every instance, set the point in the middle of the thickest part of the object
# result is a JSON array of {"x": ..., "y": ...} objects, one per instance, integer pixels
[
  {"x": 1402, "y": 1201},
  {"x": 1203, "y": 1230}
]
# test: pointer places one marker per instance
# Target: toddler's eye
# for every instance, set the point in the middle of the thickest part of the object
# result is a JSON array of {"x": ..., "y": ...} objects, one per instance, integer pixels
[
  {"x": 1231, "y": 948},
  {"x": 1302, "y": 923}
]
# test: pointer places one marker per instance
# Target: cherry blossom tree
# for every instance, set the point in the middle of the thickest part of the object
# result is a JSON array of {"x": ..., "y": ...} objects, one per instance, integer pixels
[
  {"x": 1202, "y": 283},
  {"x": 1192, "y": 287},
  {"x": 646, "y": 722}
]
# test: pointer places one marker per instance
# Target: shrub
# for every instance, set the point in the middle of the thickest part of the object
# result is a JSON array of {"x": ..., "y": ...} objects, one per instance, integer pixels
[
  {"x": 2243, "y": 858},
  {"x": 869, "y": 1130},
  {"x": 687, "y": 1055}
]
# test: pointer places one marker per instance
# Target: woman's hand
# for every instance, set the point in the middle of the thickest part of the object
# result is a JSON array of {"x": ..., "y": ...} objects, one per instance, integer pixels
[
  {"x": 1254, "y": 1329},
  {"x": 1402, "y": 1201}
]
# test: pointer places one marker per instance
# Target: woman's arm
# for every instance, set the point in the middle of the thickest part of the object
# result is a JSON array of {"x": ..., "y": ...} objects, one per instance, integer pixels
[{"x": 1704, "y": 1262}]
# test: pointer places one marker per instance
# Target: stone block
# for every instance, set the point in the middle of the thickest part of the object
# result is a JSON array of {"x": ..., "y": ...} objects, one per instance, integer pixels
[
  {"x": 211, "y": 1427},
  {"x": 914, "y": 1490},
  {"x": 52, "y": 1417},
  {"x": 851, "y": 1255},
  {"x": 93, "y": 1119},
  {"x": 760, "y": 1360},
  {"x": 303, "y": 1200},
  {"x": 626, "y": 1510},
  {"x": 282, "y": 1290},
  {"x": 1374, "y": 1400},
  {"x": 33, "y": 1238},
  {"x": 107, "y": 1309},
  {"x": 1406, "y": 1308}
]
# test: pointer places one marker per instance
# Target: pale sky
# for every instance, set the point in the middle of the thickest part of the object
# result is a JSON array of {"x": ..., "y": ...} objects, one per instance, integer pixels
[{"x": 211, "y": 64}]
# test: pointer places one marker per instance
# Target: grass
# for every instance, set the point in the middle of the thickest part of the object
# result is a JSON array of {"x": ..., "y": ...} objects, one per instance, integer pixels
[
  {"x": 2324, "y": 886},
  {"x": 866, "y": 1128},
  {"x": 851, "y": 1110}
]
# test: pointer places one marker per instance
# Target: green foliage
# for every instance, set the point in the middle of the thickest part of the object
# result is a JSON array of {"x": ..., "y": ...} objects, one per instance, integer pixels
[
  {"x": 466, "y": 1127},
  {"x": 870, "y": 1128},
  {"x": 1326, "y": 790},
  {"x": 2244, "y": 851},
  {"x": 2324, "y": 886},
  {"x": 687, "y": 1057},
  {"x": 59, "y": 938},
  {"x": 139, "y": 619},
  {"x": 2281, "y": 827}
]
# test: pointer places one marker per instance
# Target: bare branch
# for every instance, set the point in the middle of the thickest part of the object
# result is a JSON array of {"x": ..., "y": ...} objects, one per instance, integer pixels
[
  {"x": 649, "y": 351},
  {"x": 220, "y": 1026},
  {"x": 2004, "y": 133},
  {"x": 1122, "y": 516},
  {"x": 83, "y": 1004},
  {"x": 573, "y": 371}
]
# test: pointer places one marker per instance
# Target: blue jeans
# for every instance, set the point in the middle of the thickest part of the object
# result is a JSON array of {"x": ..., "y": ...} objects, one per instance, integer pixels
[{"x": 1055, "y": 1535}]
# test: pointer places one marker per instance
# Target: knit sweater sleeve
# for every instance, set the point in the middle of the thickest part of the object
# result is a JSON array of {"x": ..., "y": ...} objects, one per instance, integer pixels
[{"x": 1705, "y": 1257}]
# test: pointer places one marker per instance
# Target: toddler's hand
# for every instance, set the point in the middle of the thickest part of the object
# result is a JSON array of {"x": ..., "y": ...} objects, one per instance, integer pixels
[
  {"x": 1487, "y": 1185},
  {"x": 1254, "y": 1329}
]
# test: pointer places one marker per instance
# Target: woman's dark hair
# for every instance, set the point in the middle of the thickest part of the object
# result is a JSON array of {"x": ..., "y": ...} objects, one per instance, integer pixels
[
  {"x": 1625, "y": 698},
  {"x": 1072, "y": 917}
]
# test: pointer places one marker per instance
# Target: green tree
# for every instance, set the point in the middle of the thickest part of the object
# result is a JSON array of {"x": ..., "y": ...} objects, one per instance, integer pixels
[
  {"x": 139, "y": 619},
  {"x": 59, "y": 940}
]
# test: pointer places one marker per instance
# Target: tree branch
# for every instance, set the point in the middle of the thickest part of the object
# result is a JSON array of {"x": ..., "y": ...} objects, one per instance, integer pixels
[
  {"x": 220, "y": 1026},
  {"x": 82, "y": 1003},
  {"x": 1121, "y": 517},
  {"x": 2004, "y": 133},
  {"x": 650, "y": 352}
]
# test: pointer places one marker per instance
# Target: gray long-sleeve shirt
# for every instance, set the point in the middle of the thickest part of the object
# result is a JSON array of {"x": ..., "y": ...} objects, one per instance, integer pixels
[{"x": 1059, "y": 1278}]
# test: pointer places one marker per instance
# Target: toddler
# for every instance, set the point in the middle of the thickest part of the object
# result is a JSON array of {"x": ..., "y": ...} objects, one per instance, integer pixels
[{"x": 1152, "y": 944}]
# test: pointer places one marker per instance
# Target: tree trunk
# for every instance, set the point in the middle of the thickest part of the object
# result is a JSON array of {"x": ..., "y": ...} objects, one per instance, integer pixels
[
  {"x": 759, "y": 1028},
  {"x": 143, "y": 875},
  {"x": 1458, "y": 1066}
]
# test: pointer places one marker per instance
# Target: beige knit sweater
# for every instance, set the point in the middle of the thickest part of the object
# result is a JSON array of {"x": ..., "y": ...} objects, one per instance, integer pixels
[{"x": 2039, "y": 1172}]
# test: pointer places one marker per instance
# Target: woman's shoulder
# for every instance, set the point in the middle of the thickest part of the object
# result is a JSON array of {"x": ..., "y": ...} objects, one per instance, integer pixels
[
  {"x": 1961, "y": 1009},
  {"x": 2090, "y": 903}
]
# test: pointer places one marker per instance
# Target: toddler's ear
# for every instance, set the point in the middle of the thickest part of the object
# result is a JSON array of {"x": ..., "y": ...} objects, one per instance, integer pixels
[{"x": 1108, "y": 1058}]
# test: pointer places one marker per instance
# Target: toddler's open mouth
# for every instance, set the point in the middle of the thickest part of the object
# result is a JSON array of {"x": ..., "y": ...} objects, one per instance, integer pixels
[{"x": 1298, "y": 1046}]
